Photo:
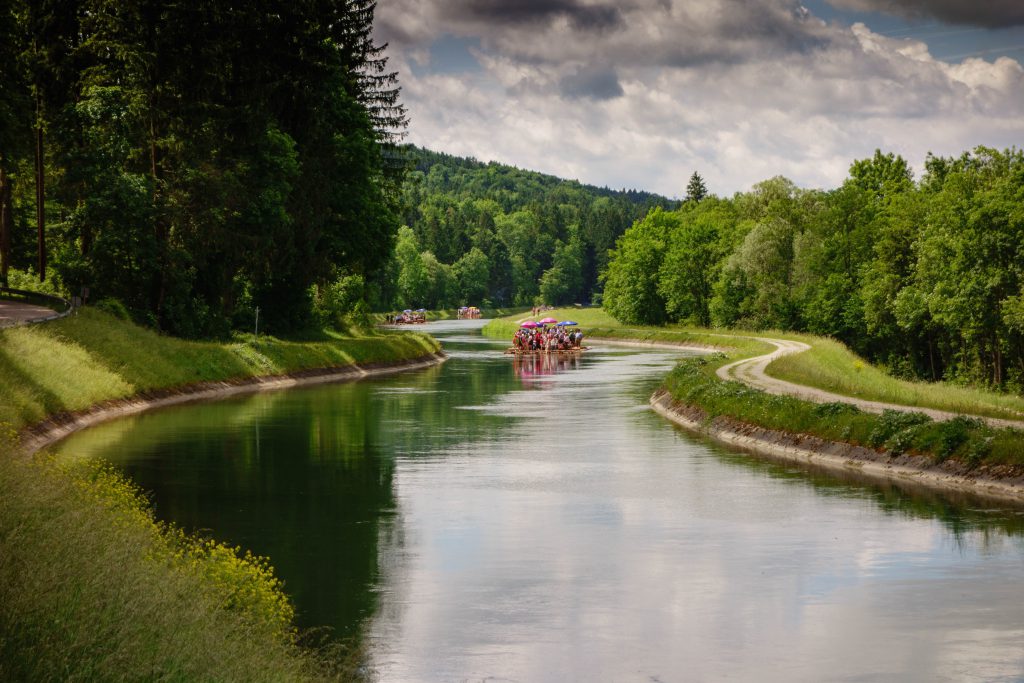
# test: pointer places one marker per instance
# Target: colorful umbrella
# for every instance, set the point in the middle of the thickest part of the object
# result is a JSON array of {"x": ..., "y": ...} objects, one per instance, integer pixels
[
  {"x": 569, "y": 323},
  {"x": 529, "y": 324},
  {"x": 548, "y": 321}
]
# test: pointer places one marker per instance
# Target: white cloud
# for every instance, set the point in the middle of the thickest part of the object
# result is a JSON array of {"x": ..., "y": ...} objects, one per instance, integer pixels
[{"x": 738, "y": 91}]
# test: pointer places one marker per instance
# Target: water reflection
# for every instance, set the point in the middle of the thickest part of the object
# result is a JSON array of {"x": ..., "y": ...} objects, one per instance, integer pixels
[
  {"x": 531, "y": 369},
  {"x": 466, "y": 526}
]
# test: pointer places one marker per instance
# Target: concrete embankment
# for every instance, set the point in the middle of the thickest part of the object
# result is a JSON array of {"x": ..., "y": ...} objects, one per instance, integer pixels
[
  {"x": 56, "y": 427},
  {"x": 991, "y": 481}
]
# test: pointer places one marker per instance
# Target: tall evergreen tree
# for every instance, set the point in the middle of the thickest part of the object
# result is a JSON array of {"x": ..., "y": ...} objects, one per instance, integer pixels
[{"x": 696, "y": 190}]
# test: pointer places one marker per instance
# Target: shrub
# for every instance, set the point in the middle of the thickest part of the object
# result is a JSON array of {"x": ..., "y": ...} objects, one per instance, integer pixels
[
  {"x": 891, "y": 422},
  {"x": 114, "y": 307}
]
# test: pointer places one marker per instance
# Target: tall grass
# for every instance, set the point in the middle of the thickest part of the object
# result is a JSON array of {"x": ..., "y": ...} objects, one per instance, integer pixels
[
  {"x": 831, "y": 366},
  {"x": 93, "y": 588}
]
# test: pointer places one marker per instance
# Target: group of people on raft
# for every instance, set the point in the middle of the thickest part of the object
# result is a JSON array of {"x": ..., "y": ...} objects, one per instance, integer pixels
[
  {"x": 407, "y": 317},
  {"x": 546, "y": 339}
]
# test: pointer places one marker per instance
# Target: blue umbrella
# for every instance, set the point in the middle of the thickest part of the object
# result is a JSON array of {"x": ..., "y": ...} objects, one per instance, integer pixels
[
  {"x": 408, "y": 310},
  {"x": 568, "y": 323},
  {"x": 421, "y": 310}
]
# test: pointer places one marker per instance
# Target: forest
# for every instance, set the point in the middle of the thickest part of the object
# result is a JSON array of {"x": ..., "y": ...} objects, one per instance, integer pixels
[
  {"x": 156, "y": 154},
  {"x": 488, "y": 234},
  {"x": 923, "y": 277},
  {"x": 196, "y": 160}
]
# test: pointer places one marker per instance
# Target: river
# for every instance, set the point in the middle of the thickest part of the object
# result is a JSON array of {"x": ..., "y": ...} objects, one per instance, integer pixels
[{"x": 494, "y": 520}]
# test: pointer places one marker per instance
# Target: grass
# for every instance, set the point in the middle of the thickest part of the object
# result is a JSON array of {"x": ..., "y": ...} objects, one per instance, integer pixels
[
  {"x": 695, "y": 383},
  {"x": 91, "y": 585},
  {"x": 831, "y": 366},
  {"x": 90, "y": 357},
  {"x": 93, "y": 588},
  {"x": 969, "y": 441}
]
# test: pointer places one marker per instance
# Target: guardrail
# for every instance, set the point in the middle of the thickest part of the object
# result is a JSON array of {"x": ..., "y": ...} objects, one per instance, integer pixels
[{"x": 62, "y": 306}]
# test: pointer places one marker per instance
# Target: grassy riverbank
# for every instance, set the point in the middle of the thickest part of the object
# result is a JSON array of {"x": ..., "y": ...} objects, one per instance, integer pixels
[
  {"x": 694, "y": 383},
  {"x": 91, "y": 586},
  {"x": 92, "y": 357},
  {"x": 831, "y": 366}
]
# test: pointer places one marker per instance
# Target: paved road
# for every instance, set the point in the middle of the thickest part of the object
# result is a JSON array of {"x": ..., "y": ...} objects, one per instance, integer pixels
[
  {"x": 17, "y": 312},
  {"x": 751, "y": 371}
]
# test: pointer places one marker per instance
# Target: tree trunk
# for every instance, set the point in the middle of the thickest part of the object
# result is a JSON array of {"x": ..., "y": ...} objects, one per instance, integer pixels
[
  {"x": 6, "y": 224},
  {"x": 931, "y": 357},
  {"x": 997, "y": 359},
  {"x": 40, "y": 200}
]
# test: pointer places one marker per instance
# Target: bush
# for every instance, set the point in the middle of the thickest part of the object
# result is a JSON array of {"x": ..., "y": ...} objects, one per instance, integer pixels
[
  {"x": 114, "y": 307},
  {"x": 836, "y": 409},
  {"x": 93, "y": 588},
  {"x": 892, "y": 422},
  {"x": 952, "y": 434}
]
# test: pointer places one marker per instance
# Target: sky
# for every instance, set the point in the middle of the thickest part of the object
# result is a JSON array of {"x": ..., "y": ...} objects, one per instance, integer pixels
[{"x": 643, "y": 93}]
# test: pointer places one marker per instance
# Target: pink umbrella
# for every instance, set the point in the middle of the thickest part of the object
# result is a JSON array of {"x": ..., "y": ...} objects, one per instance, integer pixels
[
  {"x": 529, "y": 324},
  {"x": 548, "y": 321}
]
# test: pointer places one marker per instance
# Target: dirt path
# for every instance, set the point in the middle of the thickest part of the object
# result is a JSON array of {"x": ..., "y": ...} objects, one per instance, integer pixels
[
  {"x": 751, "y": 371},
  {"x": 18, "y": 312}
]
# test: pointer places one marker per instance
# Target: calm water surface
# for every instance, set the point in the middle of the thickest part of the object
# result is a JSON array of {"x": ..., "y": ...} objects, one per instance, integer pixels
[{"x": 494, "y": 520}]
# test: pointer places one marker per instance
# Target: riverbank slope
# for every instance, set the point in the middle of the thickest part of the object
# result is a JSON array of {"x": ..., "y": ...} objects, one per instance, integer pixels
[{"x": 91, "y": 584}]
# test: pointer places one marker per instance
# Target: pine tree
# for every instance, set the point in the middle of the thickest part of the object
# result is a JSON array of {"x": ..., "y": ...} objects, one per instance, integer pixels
[{"x": 696, "y": 190}]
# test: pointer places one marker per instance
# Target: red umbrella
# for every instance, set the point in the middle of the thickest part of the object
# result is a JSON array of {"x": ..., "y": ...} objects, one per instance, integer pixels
[
  {"x": 529, "y": 324},
  {"x": 548, "y": 321}
]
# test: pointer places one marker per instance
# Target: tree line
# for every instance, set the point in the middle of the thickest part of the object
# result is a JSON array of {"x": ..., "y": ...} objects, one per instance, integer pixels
[
  {"x": 924, "y": 277},
  {"x": 197, "y": 159},
  {"x": 489, "y": 234}
]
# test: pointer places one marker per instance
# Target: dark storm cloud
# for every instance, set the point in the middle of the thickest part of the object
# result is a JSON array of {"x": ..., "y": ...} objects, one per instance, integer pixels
[
  {"x": 582, "y": 17},
  {"x": 592, "y": 84},
  {"x": 987, "y": 13}
]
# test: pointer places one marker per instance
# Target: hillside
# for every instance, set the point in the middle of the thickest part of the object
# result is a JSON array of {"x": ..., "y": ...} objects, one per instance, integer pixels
[{"x": 491, "y": 233}]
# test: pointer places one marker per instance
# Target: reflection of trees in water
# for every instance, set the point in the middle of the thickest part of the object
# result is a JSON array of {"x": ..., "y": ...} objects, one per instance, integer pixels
[
  {"x": 299, "y": 477},
  {"x": 985, "y": 520}
]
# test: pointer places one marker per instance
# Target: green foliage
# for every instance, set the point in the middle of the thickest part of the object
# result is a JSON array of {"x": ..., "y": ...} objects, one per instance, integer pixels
[
  {"x": 473, "y": 276},
  {"x": 922, "y": 278},
  {"x": 193, "y": 176},
  {"x": 544, "y": 238},
  {"x": 696, "y": 190},
  {"x": 562, "y": 283},
  {"x": 694, "y": 383},
  {"x": 892, "y": 423},
  {"x": 114, "y": 308},
  {"x": 631, "y": 292},
  {"x": 91, "y": 586}
]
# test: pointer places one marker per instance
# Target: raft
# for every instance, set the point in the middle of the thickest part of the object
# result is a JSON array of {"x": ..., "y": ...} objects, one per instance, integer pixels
[{"x": 513, "y": 351}]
